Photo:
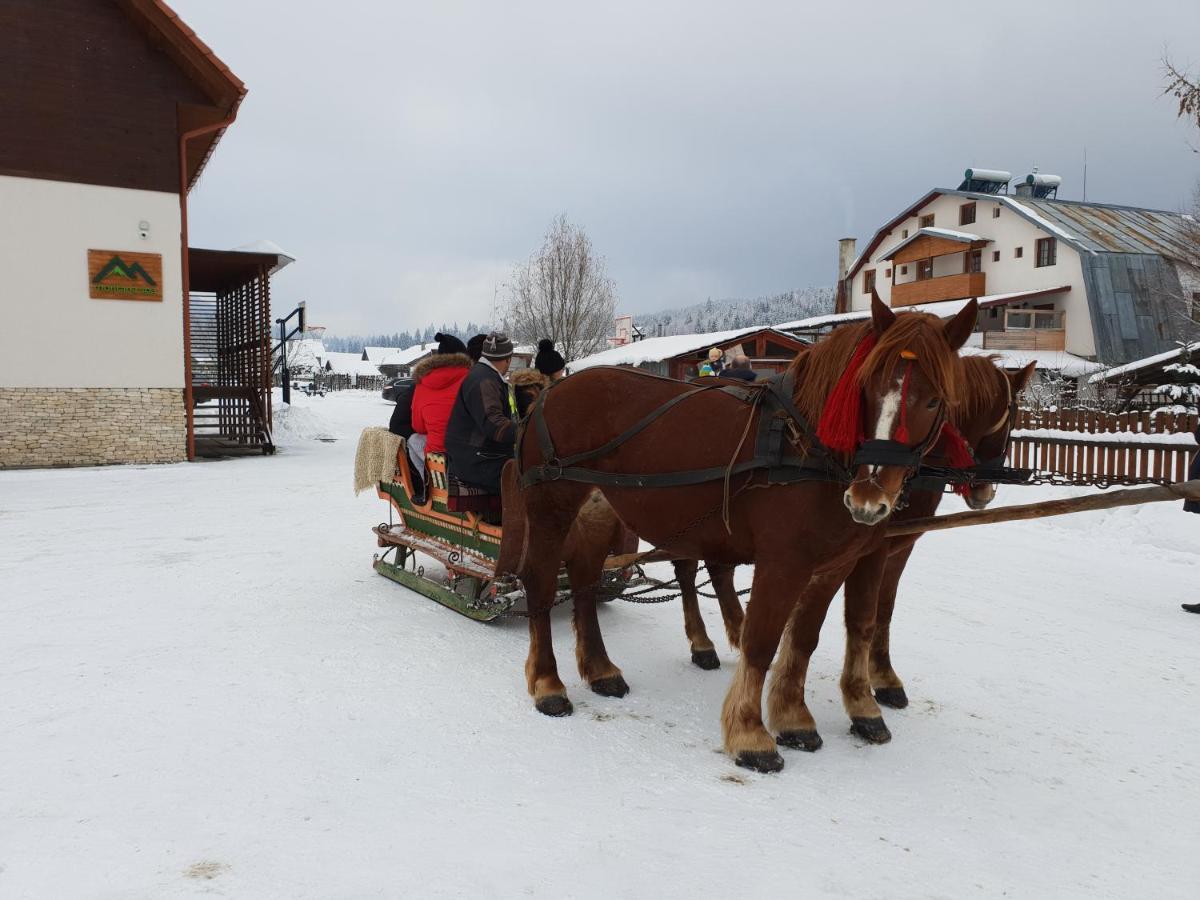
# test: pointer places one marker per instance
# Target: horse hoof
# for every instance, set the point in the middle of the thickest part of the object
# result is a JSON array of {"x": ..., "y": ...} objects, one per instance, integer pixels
[
  {"x": 612, "y": 686},
  {"x": 893, "y": 697},
  {"x": 555, "y": 705},
  {"x": 706, "y": 659},
  {"x": 871, "y": 730},
  {"x": 765, "y": 761},
  {"x": 808, "y": 741}
]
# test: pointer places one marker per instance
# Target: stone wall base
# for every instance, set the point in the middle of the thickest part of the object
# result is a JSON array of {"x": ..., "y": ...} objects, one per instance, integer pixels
[{"x": 91, "y": 426}]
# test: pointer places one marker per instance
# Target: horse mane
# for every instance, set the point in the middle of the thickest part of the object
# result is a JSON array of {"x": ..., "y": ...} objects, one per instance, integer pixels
[
  {"x": 982, "y": 381},
  {"x": 818, "y": 369}
]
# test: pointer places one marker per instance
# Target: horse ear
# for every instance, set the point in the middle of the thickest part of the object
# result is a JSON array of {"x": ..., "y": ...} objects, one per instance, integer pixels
[
  {"x": 1020, "y": 379},
  {"x": 958, "y": 329},
  {"x": 881, "y": 316}
]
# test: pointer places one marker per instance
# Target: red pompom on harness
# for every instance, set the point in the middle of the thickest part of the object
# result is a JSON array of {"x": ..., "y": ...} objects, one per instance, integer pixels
[
  {"x": 958, "y": 454},
  {"x": 841, "y": 428}
]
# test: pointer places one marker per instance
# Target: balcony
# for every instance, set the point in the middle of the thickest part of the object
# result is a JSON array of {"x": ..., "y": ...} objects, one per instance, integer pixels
[
  {"x": 1029, "y": 329},
  {"x": 946, "y": 287}
]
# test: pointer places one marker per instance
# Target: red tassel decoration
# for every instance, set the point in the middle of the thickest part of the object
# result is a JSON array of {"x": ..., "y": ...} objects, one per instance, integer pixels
[
  {"x": 958, "y": 452},
  {"x": 840, "y": 428}
]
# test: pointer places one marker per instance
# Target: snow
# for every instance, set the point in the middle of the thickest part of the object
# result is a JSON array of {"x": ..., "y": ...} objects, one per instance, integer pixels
[
  {"x": 1070, "y": 365},
  {"x": 271, "y": 248},
  {"x": 350, "y": 364},
  {"x": 658, "y": 349},
  {"x": 1106, "y": 437},
  {"x": 405, "y": 357},
  {"x": 213, "y": 682},
  {"x": 1143, "y": 363},
  {"x": 378, "y": 355}
]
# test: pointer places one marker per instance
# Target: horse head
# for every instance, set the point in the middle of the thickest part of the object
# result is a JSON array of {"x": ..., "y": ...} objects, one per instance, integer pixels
[
  {"x": 883, "y": 389},
  {"x": 986, "y": 416}
]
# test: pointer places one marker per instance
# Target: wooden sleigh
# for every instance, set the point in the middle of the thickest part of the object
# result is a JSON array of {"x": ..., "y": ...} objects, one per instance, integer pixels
[{"x": 452, "y": 527}]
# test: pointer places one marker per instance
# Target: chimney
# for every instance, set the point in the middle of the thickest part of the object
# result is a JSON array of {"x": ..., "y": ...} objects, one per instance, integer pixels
[{"x": 845, "y": 257}]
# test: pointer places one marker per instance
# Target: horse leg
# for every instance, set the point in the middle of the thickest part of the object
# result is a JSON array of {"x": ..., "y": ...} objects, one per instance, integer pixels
[
  {"x": 790, "y": 717},
  {"x": 595, "y": 667},
  {"x": 704, "y": 654},
  {"x": 771, "y": 600},
  {"x": 731, "y": 606},
  {"x": 889, "y": 689},
  {"x": 550, "y": 512},
  {"x": 862, "y": 589}
]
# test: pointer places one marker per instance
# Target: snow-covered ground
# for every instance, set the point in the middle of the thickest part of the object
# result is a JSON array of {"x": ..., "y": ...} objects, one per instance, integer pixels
[{"x": 204, "y": 689}]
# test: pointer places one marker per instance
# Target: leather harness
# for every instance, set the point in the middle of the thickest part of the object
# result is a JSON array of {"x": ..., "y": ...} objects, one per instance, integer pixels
[{"x": 781, "y": 426}]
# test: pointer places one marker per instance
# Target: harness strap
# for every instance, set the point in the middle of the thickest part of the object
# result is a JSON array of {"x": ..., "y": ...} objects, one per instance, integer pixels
[{"x": 888, "y": 453}]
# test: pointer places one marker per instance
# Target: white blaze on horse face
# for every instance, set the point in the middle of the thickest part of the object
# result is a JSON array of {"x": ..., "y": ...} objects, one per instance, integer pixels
[{"x": 889, "y": 413}]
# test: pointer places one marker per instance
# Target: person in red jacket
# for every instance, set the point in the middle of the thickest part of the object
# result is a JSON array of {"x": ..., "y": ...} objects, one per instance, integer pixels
[{"x": 437, "y": 379}]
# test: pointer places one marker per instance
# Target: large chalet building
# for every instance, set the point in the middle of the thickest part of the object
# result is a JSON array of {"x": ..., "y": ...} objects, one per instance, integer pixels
[{"x": 1100, "y": 282}]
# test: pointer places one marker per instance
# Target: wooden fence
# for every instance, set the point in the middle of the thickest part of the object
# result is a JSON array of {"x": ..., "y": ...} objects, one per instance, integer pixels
[{"x": 1085, "y": 446}]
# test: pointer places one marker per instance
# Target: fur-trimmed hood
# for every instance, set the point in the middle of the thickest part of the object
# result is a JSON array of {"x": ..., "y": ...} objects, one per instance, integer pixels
[
  {"x": 528, "y": 378},
  {"x": 440, "y": 361}
]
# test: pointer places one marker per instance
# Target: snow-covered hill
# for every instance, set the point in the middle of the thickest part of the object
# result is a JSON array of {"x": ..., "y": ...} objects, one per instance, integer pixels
[{"x": 723, "y": 315}]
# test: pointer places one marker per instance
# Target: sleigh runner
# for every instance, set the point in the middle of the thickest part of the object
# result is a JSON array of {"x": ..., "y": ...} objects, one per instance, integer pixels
[{"x": 452, "y": 526}]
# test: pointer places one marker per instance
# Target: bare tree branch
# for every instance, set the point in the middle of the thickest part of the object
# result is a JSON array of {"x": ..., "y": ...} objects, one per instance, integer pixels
[{"x": 563, "y": 293}]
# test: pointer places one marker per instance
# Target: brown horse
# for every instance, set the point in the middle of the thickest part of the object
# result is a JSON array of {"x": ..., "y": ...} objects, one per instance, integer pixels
[
  {"x": 984, "y": 418},
  {"x": 892, "y": 378}
]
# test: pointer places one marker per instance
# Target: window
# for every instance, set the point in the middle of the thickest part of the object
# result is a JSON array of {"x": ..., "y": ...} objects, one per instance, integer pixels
[
  {"x": 1047, "y": 251},
  {"x": 904, "y": 271},
  {"x": 927, "y": 221},
  {"x": 868, "y": 281},
  {"x": 924, "y": 269},
  {"x": 904, "y": 233},
  {"x": 995, "y": 212},
  {"x": 1019, "y": 252},
  {"x": 966, "y": 214},
  {"x": 887, "y": 273},
  {"x": 995, "y": 256},
  {"x": 973, "y": 261}
]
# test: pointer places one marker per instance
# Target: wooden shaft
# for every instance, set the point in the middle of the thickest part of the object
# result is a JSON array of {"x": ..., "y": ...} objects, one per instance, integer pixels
[{"x": 1186, "y": 490}]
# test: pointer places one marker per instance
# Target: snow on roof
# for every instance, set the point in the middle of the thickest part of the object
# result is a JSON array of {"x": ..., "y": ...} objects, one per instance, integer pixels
[
  {"x": 378, "y": 354},
  {"x": 1144, "y": 363},
  {"x": 349, "y": 364},
  {"x": 964, "y": 237},
  {"x": 271, "y": 248},
  {"x": 405, "y": 357},
  {"x": 1068, "y": 364},
  {"x": 938, "y": 308},
  {"x": 659, "y": 348},
  {"x": 1038, "y": 220}
]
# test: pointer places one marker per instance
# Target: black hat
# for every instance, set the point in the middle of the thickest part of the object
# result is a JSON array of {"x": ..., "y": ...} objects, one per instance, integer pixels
[
  {"x": 548, "y": 360},
  {"x": 475, "y": 346},
  {"x": 497, "y": 345},
  {"x": 448, "y": 343}
]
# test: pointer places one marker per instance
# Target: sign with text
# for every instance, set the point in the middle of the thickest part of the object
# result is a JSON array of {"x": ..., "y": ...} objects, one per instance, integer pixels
[{"x": 123, "y": 275}]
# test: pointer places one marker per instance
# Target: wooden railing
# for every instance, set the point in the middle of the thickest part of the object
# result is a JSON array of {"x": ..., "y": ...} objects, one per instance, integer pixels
[
  {"x": 1031, "y": 339},
  {"x": 1085, "y": 446},
  {"x": 944, "y": 287}
]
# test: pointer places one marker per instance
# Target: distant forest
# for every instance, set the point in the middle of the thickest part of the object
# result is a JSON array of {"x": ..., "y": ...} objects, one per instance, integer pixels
[{"x": 710, "y": 315}]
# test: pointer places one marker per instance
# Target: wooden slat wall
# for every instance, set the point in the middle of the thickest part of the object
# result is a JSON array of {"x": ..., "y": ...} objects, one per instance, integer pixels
[{"x": 1086, "y": 459}]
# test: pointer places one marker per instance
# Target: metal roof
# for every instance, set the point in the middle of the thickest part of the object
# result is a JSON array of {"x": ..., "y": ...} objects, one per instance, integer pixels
[{"x": 1100, "y": 228}]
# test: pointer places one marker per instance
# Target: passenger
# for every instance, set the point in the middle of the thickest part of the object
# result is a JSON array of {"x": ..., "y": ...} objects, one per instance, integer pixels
[
  {"x": 713, "y": 365},
  {"x": 437, "y": 379},
  {"x": 740, "y": 369},
  {"x": 549, "y": 361},
  {"x": 401, "y": 421},
  {"x": 481, "y": 431},
  {"x": 475, "y": 347}
]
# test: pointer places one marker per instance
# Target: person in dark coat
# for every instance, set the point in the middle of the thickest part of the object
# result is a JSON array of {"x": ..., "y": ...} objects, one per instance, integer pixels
[
  {"x": 739, "y": 370},
  {"x": 482, "y": 430},
  {"x": 549, "y": 361},
  {"x": 475, "y": 347},
  {"x": 401, "y": 422}
]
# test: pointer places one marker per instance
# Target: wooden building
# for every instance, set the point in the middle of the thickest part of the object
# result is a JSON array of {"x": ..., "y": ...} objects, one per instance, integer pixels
[
  {"x": 109, "y": 111},
  {"x": 770, "y": 350}
]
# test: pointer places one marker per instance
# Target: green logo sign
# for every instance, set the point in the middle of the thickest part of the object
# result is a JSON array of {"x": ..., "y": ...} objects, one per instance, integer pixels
[{"x": 118, "y": 268}]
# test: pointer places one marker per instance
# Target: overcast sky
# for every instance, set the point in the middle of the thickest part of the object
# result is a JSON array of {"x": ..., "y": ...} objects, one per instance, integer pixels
[{"x": 408, "y": 154}]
